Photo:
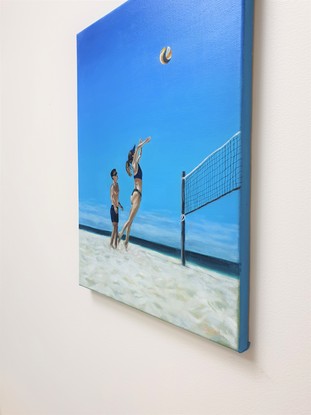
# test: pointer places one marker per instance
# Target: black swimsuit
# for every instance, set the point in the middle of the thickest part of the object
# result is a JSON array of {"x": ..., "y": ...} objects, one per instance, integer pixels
[
  {"x": 138, "y": 175},
  {"x": 114, "y": 216},
  {"x": 138, "y": 191}
]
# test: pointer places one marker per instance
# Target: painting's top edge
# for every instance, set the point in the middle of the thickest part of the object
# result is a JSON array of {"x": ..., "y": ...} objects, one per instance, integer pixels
[{"x": 107, "y": 15}]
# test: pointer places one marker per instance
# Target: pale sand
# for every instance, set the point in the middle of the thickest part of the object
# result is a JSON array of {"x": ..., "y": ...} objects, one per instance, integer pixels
[{"x": 194, "y": 298}]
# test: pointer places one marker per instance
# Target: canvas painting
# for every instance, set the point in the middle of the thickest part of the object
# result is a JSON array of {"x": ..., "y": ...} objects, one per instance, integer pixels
[{"x": 164, "y": 132}]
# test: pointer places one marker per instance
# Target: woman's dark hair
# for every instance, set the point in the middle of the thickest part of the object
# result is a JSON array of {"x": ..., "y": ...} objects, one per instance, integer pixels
[{"x": 128, "y": 163}]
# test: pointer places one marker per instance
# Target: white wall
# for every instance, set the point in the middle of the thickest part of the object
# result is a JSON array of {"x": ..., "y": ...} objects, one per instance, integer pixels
[{"x": 68, "y": 351}]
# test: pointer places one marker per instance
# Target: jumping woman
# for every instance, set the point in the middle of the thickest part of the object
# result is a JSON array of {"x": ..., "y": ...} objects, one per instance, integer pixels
[{"x": 132, "y": 167}]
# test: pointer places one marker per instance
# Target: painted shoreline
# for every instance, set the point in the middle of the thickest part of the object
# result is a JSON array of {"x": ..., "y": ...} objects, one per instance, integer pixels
[
  {"x": 217, "y": 264},
  {"x": 192, "y": 297}
]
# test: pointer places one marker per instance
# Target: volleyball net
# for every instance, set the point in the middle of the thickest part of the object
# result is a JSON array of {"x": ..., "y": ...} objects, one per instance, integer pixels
[{"x": 216, "y": 176}]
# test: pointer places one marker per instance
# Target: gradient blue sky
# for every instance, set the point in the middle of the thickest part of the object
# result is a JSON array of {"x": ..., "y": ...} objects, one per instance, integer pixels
[{"x": 190, "y": 107}]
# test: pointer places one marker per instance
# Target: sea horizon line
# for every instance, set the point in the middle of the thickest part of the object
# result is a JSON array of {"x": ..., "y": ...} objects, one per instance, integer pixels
[{"x": 217, "y": 264}]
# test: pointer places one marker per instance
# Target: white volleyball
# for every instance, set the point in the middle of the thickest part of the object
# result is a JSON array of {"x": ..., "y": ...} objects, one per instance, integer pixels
[{"x": 165, "y": 55}]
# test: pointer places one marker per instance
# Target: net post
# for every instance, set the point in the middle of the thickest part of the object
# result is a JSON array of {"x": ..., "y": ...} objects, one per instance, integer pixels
[{"x": 183, "y": 217}]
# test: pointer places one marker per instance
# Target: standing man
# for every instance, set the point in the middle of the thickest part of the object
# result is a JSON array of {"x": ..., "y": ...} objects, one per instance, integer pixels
[{"x": 114, "y": 210}]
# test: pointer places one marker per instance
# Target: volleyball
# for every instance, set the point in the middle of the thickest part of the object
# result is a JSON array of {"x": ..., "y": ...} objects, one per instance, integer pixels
[{"x": 165, "y": 55}]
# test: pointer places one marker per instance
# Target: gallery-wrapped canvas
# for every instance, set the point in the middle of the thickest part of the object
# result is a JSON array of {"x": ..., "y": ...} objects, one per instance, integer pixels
[{"x": 164, "y": 123}]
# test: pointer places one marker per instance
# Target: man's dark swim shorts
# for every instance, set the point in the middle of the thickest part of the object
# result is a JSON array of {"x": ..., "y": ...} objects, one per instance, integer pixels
[{"x": 114, "y": 215}]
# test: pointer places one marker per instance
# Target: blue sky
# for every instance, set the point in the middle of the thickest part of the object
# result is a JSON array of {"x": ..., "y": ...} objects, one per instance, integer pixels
[{"x": 190, "y": 107}]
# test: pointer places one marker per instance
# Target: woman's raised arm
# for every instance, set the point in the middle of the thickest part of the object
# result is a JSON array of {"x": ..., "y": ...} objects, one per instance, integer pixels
[
  {"x": 138, "y": 151},
  {"x": 143, "y": 142}
]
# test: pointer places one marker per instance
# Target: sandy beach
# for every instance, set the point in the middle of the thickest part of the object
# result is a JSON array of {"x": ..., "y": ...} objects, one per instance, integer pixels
[{"x": 194, "y": 298}]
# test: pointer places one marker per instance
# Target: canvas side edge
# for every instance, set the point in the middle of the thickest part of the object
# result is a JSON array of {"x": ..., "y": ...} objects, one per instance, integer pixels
[{"x": 246, "y": 122}]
